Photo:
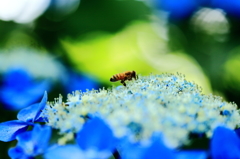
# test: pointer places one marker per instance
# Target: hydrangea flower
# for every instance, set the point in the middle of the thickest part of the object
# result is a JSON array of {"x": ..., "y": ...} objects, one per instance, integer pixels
[
  {"x": 177, "y": 9},
  {"x": 31, "y": 143},
  {"x": 26, "y": 117},
  {"x": 18, "y": 83},
  {"x": 232, "y": 7},
  {"x": 150, "y": 150},
  {"x": 151, "y": 117},
  {"x": 79, "y": 82},
  {"x": 95, "y": 140},
  {"x": 157, "y": 148},
  {"x": 155, "y": 103}
]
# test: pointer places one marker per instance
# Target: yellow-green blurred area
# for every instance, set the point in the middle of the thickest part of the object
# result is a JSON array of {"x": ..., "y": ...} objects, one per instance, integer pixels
[{"x": 231, "y": 69}]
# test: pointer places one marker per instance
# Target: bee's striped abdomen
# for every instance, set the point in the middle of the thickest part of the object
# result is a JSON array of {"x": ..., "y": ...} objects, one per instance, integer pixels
[{"x": 117, "y": 77}]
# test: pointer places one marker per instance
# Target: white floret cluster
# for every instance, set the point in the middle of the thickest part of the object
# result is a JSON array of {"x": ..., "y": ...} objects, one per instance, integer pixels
[{"x": 166, "y": 104}]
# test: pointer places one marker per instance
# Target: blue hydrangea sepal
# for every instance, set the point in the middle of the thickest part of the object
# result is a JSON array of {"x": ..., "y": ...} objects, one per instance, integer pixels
[
  {"x": 225, "y": 144},
  {"x": 96, "y": 134},
  {"x": 10, "y": 129},
  {"x": 196, "y": 154},
  {"x": 63, "y": 152},
  {"x": 32, "y": 113},
  {"x": 31, "y": 143}
]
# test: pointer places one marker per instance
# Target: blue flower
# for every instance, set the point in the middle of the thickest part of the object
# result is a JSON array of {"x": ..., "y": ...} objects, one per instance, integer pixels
[
  {"x": 232, "y": 7},
  {"x": 81, "y": 82},
  {"x": 31, "y": 143},
  {"x": 178, "y": 9},
  {"x": 196, "y": 154},
  {"x": 26, "y": 117},
  {"x": 19, "y": 89},
  {"x": 95, "y": 140},
  {"x": 64, "y": 152},
  {"x": 138, "y": 151},
  {"x": 96, "y": 135},
  {"x": 158, "y": 149},
  {"x": 225, "y": 144}
]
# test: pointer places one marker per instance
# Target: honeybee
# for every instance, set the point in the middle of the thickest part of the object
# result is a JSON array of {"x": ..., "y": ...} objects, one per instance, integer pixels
[{"x": 127, "y": 75}]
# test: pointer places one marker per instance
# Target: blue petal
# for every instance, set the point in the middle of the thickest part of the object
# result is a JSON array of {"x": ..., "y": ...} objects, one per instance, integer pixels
[
  {"x": 131, "y": 151},
  {"x": 40, "y": 107},
  {"x": 64, "y": 152},
  {"x": 24, "y": 78},
  {"x": 21, "y": 99},
  {"x": 41, "y": 136},
  {"x": 158, "y": 149},
  {"x": 35, "y": 142},
  {"x": 32, "y": 112},
  {"x": 178, "y": 9},
  {"x": 10, "y": 129},
  {"x": 80, "y": 82},
  {"x": 137, "y": 151},
  {"x": 225, "y": 144},
  {"x": 232, "y": 7},
  {"x": 196, "y": 154},
  {"x": 28, "y": 113},
  {"x": 16, "y": 152},
  {"x": 25, "y": 143},
  {"x": 24, "y": 90},
  {"x": 96, "y": 134},
  {"x": 24, "y": 97},
  {"x": 238, "y": 132}
]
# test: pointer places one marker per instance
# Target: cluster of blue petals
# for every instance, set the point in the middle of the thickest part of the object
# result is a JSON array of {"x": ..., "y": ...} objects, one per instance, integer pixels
[
  {"x": 79, "y": 82},
  {"x": 21, "y": 85},
  {"x": 31, "y": 143},
  {"x": 96, "y": 140},
  {"x": 26, "y": 117}
]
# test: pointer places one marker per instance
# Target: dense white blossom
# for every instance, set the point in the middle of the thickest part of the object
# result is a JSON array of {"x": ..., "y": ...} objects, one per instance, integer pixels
[{"x": 166, "y": 104}]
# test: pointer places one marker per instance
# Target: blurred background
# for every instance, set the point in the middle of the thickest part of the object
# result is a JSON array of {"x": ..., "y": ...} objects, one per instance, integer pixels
[{"x": 66, "y": 45}]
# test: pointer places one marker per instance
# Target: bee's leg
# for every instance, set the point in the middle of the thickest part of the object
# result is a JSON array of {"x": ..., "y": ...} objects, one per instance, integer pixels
[
  {"x": 135, "y": 76},
  {"x": 122, "y": 81}
]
